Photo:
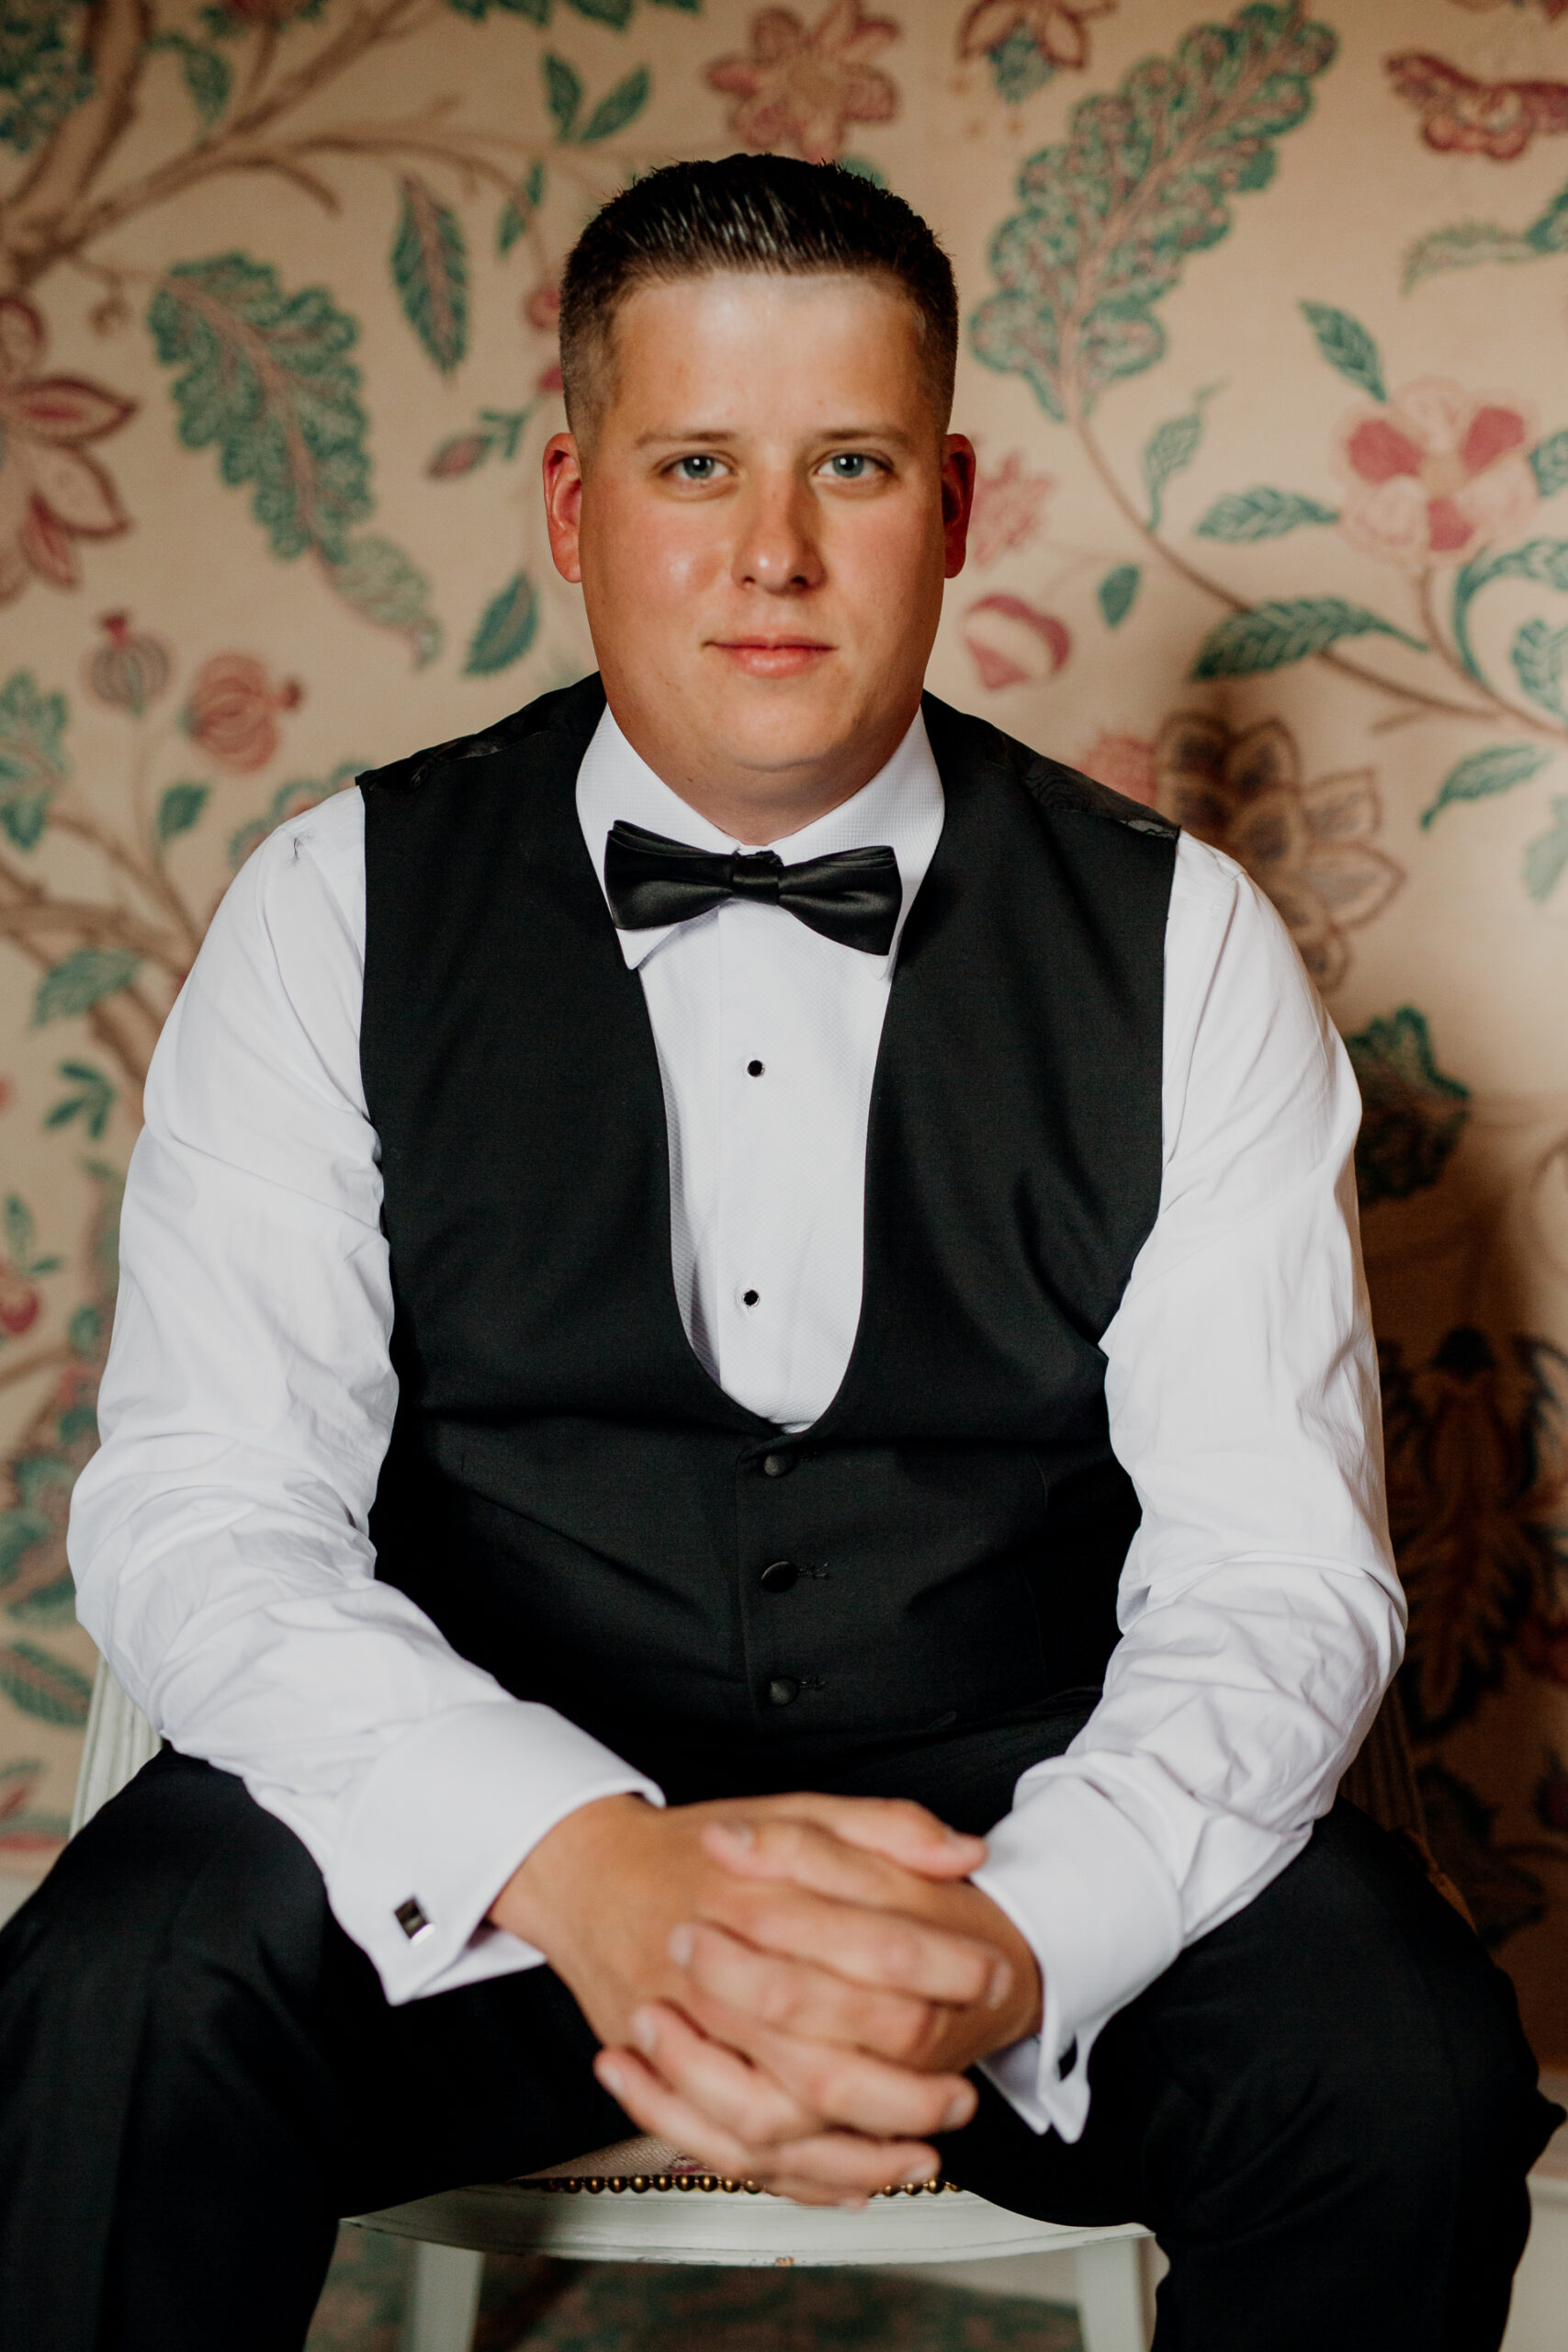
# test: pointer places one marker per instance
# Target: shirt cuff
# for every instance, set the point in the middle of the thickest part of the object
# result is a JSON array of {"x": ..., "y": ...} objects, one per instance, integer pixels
[
  {"x": 1102, "y": 1920},
  {"x": 439, "y": 1824}
]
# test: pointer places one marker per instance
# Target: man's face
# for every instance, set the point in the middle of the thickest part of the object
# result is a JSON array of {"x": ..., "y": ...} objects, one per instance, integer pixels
[{"x": 762, "y": 528}]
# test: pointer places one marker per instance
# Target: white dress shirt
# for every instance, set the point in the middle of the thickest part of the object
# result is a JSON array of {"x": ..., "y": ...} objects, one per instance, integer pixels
[{"x": 218, "y": 1537}]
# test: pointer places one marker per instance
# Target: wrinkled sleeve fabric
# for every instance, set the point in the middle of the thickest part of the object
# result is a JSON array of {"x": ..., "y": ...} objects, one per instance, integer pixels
[
  {"x": 1260, "y": 1615},
  {"x": 219, "y": 1538}
]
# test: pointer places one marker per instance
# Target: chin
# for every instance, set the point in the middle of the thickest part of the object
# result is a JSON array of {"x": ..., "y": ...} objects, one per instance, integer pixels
[{"x": 768, "y": 726}]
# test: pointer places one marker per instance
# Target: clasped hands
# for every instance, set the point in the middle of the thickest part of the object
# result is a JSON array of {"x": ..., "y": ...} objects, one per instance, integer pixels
[{"x": 789, "y": 1988}]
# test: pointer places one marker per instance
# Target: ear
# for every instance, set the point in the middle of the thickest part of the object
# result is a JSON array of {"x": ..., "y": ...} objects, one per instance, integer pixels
[
  {"x": 563, "y": 503},
  {"x": 958, "y": 468}
]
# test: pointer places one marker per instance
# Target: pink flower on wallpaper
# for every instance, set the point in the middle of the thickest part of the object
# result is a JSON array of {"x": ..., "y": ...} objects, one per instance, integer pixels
[
  {"x": 130, "y": 669},
  {"x": 541, "y": 311},
  {"x": 541, "y": 307},
  {"x": 1549, "y": 9},
  {"x": 1012, "y": 643},
  {"x": 232, "y": 711},
  {"x": 1007, "y": 508},
  {"x": 459, "y": 456},
  {"x": 1461, "y": 116},
  {"x": 802, "y": 86},
  {"x": 19, "y": 1301},
  {"x": 1056, "y": 27},
  {"x": 1438, "y": 474},
  {"x": 1124, "y": 763},
  {"x": 51, "y": 492}
]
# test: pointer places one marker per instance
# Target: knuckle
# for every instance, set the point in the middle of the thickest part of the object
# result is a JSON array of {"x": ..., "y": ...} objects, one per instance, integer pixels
[
  {"x": 977, "y": 1975},
  {"x": 779, "y": 1997},
  {"x": 830, "y": 2085},
  {"x": 785, "y": 1841},
  {"x": 899, "y": 1952},
  {"x": 761, "y": 2126},
  {"x": 910, "y": 2029},
  {"x": 744, "y": 1908}
]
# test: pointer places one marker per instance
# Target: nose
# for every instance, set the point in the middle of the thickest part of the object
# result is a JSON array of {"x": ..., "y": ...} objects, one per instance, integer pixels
[{"x": 776, "y": 547}]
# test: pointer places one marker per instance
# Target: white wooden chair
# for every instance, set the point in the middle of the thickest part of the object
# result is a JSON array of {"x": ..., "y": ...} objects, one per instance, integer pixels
[{"x": 641, "y": 2201}]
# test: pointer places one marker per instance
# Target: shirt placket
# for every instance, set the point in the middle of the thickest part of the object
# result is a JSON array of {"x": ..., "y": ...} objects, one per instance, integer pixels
[{"x": 754, "y": 1290}]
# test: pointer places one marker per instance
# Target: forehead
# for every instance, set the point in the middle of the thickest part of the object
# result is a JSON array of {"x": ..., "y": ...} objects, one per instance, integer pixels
[{"x": 766, "y": 342}]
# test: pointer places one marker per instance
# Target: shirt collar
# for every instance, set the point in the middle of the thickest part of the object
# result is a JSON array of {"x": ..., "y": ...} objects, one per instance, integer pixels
[{"x": 902, "y": 805}]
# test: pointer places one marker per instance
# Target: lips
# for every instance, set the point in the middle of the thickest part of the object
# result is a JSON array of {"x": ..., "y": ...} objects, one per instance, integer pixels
[{"x": 761, "y": 657}]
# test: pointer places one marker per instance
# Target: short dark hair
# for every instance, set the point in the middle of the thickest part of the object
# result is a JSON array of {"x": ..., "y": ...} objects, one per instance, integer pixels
[{"x": 767, "y": 213}]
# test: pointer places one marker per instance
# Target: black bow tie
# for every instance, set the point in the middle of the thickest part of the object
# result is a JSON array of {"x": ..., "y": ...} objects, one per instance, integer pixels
[{"x": 853, "y": 898}]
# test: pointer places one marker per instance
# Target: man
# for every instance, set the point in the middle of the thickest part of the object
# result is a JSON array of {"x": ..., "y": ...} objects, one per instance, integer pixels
[{"x": 709, "y": 1270}]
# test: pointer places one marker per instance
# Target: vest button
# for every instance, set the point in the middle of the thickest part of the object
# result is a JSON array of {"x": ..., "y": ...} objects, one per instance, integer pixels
[
  {"x": 782, "y": 1690},
  {"x": 777, "y": 1465},
  {"x": 780, "y": 1576}
]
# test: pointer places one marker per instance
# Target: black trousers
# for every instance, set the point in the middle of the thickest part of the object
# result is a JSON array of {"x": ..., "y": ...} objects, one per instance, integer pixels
[{"x": 1326, "y": 2108}]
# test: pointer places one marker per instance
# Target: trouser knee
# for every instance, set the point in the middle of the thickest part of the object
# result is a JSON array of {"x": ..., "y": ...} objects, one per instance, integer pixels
[{"x": 181, "y": 1896}]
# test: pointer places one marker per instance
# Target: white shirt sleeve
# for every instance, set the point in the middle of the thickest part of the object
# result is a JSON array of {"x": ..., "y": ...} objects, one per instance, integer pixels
[
  {"x": 218, "y": 1537},
  {"x": 1260, "y": 1615}
]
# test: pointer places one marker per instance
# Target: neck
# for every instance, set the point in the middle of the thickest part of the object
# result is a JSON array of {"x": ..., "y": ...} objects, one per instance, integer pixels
[{"x": 755, "y": 806}]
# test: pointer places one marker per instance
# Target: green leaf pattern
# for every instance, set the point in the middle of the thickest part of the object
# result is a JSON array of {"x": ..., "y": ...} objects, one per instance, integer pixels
[
  {"x": 1466, "y": 243},
  {"x": 83, "y": 979},
  {"x": 1170, "y": 449},
  {"x": 1143, "y": 181},
  {"x": 32, "y": 756},
  {"x": 618, "y": 107},
  {"x": 44, "y": 1686},
  {"x": 208, "y": 76},
  {"x": 1117, "y": 594},
  {"x": 1546, "y": 856},
  {"x": 506, "y": 629},
  {"x": 381, "y": 583},
  {"x": 430, "y": 270},
  {"x": 1244, "y": 516},
  {"x": 179, "y": 807},
  {"x": 1346, "y": 344},
  {"x": 563, "y": 92},
  {"x": 1412, "y": 1114},
  {"x": 45, "y": 71},
  {"x": 265, "y": 379},
  {"x": 1548, "y": 463},
  {"x": 1538, "y": 654},
  {"x": 1270, "y": 636},
  {"x": 1480, "y": 777},
  {"x": 92, "y": 1100}
]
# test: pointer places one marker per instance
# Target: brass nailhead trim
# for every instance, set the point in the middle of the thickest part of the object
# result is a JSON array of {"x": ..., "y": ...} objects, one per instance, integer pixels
[{"x": 596, "y": 2183}]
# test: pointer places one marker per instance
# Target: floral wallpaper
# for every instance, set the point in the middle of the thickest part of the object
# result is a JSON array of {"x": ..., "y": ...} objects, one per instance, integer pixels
[{"x": 1266, "y": 322}]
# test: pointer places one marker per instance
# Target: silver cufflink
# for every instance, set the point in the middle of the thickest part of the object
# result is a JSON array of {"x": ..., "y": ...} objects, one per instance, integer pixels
[{"x": 411, "y": 1919}]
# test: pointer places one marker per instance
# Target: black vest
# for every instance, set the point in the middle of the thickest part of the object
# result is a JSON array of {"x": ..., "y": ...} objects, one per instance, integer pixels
[{"x": 567, "y": 1494}]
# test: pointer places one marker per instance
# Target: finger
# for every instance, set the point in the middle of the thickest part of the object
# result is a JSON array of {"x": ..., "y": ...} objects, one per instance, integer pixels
[
  {"x": 826, "y": 2167},
  {"x": 892, "y": 1826},
  {"x": 795, "y": 1996},
  {"x": 657, "y": 2110},
  {"x": 810, "y": 1856},
  {"x": 749, "y": 2103},
  {"x": 869, "y": 1946},
  {"x": 847, "y": 2088}
]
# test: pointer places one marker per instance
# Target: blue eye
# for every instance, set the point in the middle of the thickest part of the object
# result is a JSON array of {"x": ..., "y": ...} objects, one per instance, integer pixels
[
  {"x": 695, "y": 468},
  {"x": 850, "y": 464}
]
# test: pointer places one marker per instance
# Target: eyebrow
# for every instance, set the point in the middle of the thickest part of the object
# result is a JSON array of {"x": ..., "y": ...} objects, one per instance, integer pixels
[{"x": 709, "y": 433}]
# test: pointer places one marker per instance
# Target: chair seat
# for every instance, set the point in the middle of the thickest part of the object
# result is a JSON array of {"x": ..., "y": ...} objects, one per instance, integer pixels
[{"x": 641, "y": 2200}]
